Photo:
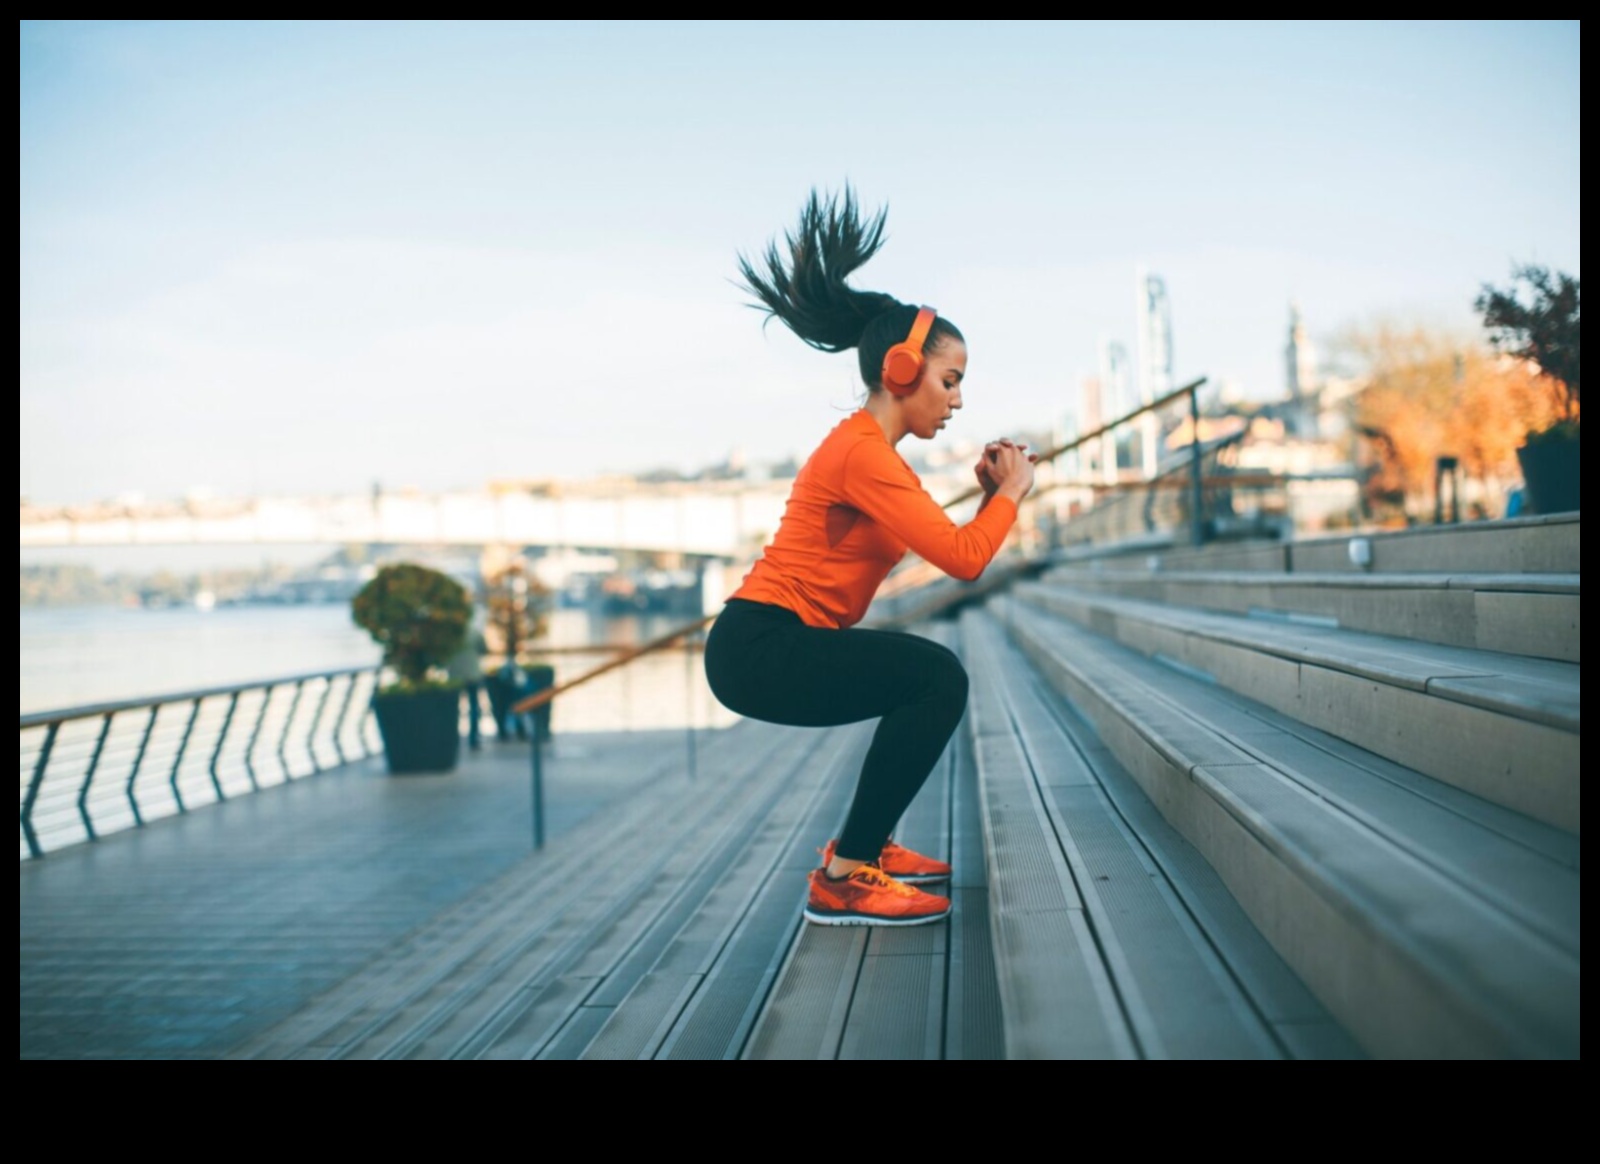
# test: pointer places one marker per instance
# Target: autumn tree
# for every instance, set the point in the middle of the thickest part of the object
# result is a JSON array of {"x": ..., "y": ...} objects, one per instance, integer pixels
[
  {"x": 517, "y": 607},
  {"x": 1430, "y": 394}
]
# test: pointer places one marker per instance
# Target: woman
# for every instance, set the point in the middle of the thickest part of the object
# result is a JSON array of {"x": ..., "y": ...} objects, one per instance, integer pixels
[{"x": 783, "y": 649}]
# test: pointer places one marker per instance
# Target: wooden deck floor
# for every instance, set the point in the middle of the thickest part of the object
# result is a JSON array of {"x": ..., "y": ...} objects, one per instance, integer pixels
[{"x": 358, "y": 915}]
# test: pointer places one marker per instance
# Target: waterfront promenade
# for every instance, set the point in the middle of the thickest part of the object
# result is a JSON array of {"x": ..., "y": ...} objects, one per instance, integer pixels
[
  {"x": 1310, "y": 800},
  {"x": 184, "y": 938}
]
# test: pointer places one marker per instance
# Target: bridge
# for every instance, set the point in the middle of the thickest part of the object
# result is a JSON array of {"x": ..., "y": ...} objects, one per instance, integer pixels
[{"x": 717, "y": 519}]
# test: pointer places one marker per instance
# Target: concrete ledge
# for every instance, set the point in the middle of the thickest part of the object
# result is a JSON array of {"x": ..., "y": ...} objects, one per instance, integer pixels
[
  {"x": 1525, "y": 614},
  {"x": 1537, "y": 689},
  {"x": 1497, "y": 726},
  {"x": 1310, "y": 580},
  {"x": 1530, "y": 545},
  {"x": 1410, "y": 963}
]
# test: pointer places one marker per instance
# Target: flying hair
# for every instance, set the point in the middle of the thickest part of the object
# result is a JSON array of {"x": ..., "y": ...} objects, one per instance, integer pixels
[{"x": 803, "y": 284}]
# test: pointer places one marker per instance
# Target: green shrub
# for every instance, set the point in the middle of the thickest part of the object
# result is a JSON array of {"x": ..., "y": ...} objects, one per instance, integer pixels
[{"x": 419, "y": 616}]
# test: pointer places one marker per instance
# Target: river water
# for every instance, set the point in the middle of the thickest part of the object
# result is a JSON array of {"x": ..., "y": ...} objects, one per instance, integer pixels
[{"x": 73, "y": 656}]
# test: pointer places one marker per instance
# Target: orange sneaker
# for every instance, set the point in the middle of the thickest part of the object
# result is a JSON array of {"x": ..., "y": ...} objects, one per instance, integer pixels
[
  {"x": 901, "y": 863},
  {"x": 870, "y": 897}
]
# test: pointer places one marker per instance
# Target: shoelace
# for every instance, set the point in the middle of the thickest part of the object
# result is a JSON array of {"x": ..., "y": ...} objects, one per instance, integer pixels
[{"x": 875, "y": 876}]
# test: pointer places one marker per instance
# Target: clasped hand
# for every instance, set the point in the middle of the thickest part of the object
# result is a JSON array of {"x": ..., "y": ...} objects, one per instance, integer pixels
[{"x": 1006, "y": 466}]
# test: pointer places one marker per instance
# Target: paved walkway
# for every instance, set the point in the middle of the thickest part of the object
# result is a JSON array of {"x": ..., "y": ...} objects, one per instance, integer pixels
[{"x": 186, "y": 937}]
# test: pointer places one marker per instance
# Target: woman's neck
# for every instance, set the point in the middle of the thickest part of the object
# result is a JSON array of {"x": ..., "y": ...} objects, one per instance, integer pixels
[{"x": 885, "y": 409}]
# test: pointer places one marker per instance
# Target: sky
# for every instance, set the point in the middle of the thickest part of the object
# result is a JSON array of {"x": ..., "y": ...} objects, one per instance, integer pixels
[{"x": 296, "y": 258}]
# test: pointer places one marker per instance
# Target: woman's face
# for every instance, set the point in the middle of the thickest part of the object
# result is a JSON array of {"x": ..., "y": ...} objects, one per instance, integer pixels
[{"x": 938, "y": 393}]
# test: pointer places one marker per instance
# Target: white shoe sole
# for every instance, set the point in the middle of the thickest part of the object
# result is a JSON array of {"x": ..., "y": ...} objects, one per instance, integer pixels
[{"x": 858, "y": 919}]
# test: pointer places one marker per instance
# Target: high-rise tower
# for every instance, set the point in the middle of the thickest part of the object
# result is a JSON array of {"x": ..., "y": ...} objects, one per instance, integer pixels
[{"x": 1155, "y": 358}]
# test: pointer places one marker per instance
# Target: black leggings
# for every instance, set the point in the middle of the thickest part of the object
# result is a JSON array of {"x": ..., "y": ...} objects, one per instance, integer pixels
[{"x": 763, "y": 662}]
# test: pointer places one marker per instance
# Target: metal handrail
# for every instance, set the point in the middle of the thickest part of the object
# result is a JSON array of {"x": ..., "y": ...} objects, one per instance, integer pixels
[
  {"x": 83, "y": 778},
  {"x": 91, "y": 710},
  {"x": 1190, "y": 390},
  {"x": 991, "y": 581},
  {"x": 539, "y": 699}
]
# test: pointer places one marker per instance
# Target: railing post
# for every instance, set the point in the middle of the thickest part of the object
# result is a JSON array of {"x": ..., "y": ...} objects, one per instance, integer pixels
[
  {"x": 1196, "y": 518},
  {"x": 1444, "y": 469},
  {"x": 688, "y": 697},
  {"x": 34, "y": 849},
  {"x": 255, "y": 735},
  {"x": 283, "y": 740},
  {"x": 138, "y": 761},
  {"x": 311, "y": 732},
  {"x": 177, "y": 761},
  {"x": 88, "y": 776},
  {"x": 627, "y": 699},
  {"x": 536, "y": 746},
  {"x": 338, "y": 724},
  {"x": 367, "y": 717},
  {"x": 216, "y": 752}
]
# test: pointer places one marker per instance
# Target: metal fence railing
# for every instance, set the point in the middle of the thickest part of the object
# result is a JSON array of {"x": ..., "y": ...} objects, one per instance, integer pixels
[{"x": 89, "y": 771}]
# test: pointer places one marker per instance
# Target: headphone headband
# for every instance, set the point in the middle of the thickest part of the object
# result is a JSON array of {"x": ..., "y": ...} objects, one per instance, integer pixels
[{"x": 921, "y": 326}]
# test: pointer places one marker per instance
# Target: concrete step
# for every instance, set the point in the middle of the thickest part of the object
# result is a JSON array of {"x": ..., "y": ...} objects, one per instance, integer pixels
[
  {"x": 1520, "y": 614},
  {"x": 1112, "y": 937},
  {"x": 1518, "y": 545},
  {"x": 927, "y": 992},
  {"x": 1429, "y": 923},
  {"x": 1502, "y": 727}
]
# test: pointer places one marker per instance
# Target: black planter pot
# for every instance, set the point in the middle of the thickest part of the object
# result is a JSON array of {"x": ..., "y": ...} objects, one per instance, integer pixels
[
  {"x": 421, "y": 731},
  {"x": 508, "y": 686},
  {"x": 541, "y": 676},
  {"x": 1550, "y": 473},
  {"x": 499, "y": 700}
]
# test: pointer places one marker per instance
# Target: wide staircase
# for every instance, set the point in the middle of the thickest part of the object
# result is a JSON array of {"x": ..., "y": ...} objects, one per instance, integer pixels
[
  {"x": 1272, "y": 800},
  {"x": 1372, "y": 743}
]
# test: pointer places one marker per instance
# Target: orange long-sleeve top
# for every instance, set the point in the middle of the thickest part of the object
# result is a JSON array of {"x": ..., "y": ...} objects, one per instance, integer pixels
[{"x": 855, "y": 508}]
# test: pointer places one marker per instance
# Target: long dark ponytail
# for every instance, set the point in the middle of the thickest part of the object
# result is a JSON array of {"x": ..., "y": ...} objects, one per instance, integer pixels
[{"x": 807, "y": 290}]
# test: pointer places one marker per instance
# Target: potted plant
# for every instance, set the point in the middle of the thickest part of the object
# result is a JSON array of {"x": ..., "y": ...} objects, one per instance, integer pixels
[
  {"x": 516, "y": 617},
  {"x": 419, "y": 616},
  {"x": 1536, "y": 318}
]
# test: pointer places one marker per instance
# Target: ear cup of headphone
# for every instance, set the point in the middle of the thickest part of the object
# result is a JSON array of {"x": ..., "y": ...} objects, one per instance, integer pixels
[
  {"x": 902, "y": 364},
  {"x": 902, "y": 369}
]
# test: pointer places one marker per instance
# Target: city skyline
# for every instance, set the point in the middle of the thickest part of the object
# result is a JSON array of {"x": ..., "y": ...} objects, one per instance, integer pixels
[{"x": 282, "y": 258}]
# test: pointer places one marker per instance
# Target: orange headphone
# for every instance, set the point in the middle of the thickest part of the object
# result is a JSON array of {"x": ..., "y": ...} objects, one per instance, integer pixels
[{"x": 902, "y": 364}]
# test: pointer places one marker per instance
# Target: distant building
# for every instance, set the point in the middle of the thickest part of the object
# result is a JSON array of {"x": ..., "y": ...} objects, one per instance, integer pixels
[
  {"x": 1300, "y": 360},
  {"x": 1304, "y": 441}
]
